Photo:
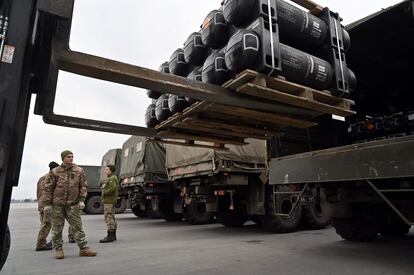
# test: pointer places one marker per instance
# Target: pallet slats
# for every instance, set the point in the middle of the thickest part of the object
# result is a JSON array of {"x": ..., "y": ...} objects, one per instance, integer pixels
[{"x": 222, "y": 124}]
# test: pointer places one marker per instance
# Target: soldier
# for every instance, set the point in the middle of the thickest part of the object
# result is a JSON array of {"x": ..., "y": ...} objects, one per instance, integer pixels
[
  {"x": 109, "y": 198},
  {"x": 41, "y": 244},
  {"x": 66, "y": 190}
]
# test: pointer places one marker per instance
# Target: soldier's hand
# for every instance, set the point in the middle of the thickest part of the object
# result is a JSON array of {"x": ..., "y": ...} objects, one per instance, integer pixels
[{"x": 81, "y": 205}]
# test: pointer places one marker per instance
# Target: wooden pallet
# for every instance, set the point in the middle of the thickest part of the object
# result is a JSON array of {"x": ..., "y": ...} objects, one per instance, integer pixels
[
  {"x": 282, "y": 91},
  {"x": 222, "y": 124}
]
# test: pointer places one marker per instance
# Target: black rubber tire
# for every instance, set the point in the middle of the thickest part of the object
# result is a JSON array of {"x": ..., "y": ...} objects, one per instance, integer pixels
[
  {"x": 167, "y": 211},
  {"x": 394, "y": 229},
  {"x": 256, "y": 220},
  {"x": 280, "y": 224},
  {"x": 120, "y": 206},
  {"x": 139, "y": 212},
  {"x": 232, "y": 218},
  {"x": 314, "y": 216},
  {"x": 6, "y": 247},
  {"x": 196, "y": 213},
  {"x": 355, "y": 229},
  {"x": 94, "y": 205}
]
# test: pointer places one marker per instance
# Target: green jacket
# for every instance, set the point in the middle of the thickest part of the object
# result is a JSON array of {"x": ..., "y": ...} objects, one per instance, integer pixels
[{"x": 110, "y": 190}]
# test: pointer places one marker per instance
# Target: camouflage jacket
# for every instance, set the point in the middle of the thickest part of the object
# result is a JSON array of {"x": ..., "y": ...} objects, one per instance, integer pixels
[
  {"x": 41, "y": 191},
  {"x": 66, "y": 186},
  {"x": 110, "y": 190}
]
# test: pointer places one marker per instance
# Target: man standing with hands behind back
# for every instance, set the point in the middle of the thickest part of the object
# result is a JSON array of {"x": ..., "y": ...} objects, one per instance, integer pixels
[
  {"x": 109, "y": 198},
  {"x": 66, "y": 191}
]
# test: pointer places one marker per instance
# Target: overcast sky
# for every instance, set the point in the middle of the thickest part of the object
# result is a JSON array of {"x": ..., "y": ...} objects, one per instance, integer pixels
[{"x": 139, "y": 32}]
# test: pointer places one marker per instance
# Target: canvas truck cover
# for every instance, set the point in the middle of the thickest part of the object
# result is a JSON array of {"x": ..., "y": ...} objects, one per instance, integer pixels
[
  {"x": 112, "y": 157},
  {"x": 183, "y": 160},
  {"x": 92, "y": 175},
  {"x": 139, "y": 157}
]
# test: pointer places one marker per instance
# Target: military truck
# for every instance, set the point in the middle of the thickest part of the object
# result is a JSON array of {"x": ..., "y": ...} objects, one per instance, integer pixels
[
  {"x": 368, "y": 182},
  {"x": 95, "y": 176},
  {"x": 143, "y": 176},
  {"x": 230, "y": 184},
  {"x": 34, "y": 46}
]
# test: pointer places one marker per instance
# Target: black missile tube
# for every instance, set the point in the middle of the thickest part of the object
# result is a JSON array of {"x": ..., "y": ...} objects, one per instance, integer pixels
[
  {"x": 194, "y": 75},
  {"x": 215, "y": 30},
  {"x": 162, "y": 110},
  {"x": 150, "y": 118},
  {"x": 297, "y": 27},
  {"x": 165, "y": 69},
  {"x": 195, "y": 52},
  {"x": 250, "y": 49},
  {"x": 178, "y": 65},
  {"x": 215, "y": 70}
]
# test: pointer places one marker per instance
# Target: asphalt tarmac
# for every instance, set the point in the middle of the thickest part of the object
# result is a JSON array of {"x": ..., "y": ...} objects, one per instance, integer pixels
[{"x": 147, "y": 246}]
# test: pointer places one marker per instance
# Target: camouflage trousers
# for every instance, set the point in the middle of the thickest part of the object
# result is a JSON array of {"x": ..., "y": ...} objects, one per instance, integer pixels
[
  {"x": 44, "y": 229},
  {"x": 45, "y": 226},
  {"x": 72, "y": 214},
  {"x": 109, "y": 215}
]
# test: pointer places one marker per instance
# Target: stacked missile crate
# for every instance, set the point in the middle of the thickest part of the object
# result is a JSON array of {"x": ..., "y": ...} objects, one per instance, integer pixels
[{"x": 266, "y": 50}]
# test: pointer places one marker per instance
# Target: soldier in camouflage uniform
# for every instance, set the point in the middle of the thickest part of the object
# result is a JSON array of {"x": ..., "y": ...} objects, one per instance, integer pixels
[
  {"x": 45, "y": 224},
  {"x": 44, "y": 230},
  {"x": 66, "y": 190},
  {"x": 109, "y": 198}
]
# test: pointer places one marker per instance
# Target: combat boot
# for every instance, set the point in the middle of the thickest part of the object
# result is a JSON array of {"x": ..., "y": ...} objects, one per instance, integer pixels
[
  {"x": 114, "y": 235},
  {"x": 44, "y": 247},
  {"x": 71, "y": 239},
  {"x": 109, "y": 238},
  {"x": 87, "y": 252},
  {"x": 59, "y": 253}
]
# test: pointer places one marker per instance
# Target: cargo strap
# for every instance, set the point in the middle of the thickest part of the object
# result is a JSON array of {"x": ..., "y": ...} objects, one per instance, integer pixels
[
  {"x": 272, "y": 45},
  {"x": 340, "y": 57}
]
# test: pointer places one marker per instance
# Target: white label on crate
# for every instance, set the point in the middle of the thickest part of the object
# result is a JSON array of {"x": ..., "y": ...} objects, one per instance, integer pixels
[
  {"x": 411, "y": 117},
  {"x": 8, "y": 53}
]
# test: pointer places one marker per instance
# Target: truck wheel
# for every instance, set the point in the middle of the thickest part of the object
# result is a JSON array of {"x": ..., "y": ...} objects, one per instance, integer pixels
[
  {"x": 256, "y": 220},
  {"x": 232, "y": 218},
  {"x": 284, "y": 205},
  {"x": 196, "y": 213},
  {"x": 313, "y": 216},
  {"x": 139, "y": 212},
  {"x": 394, "y": 229},
  {"x": 167, "y": 211},
  {"x": 356, "y": 229},
  {"x": 153, "y": 214},
  {"x": 94, "y": 205},
  {"x": 6, "y": 247},
  {"x": 120, "y": 206}
]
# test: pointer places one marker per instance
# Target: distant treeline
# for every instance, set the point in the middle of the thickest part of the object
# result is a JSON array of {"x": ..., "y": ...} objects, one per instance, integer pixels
[{"x": 23, "y": 200}]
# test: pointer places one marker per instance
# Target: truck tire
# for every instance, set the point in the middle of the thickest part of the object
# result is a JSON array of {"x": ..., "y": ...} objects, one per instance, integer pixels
[
  {"x": 6, "y": 247},
  {"x": 232, "y": 218},
  {"x": 313, "y": 217},
  {"x": 139, "y": 212},
  {"x": 394, "y": 229},
  {"x": 196, "y": 213},
  {"x": 280, "y": 224},
  {"x": 355, "y": 229},
  {"x": 94, "y": 205},
  {"x": 167, "y": 211},
  {"x": 256, "y": 220},
  {"x": 120, "y": 206}
]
